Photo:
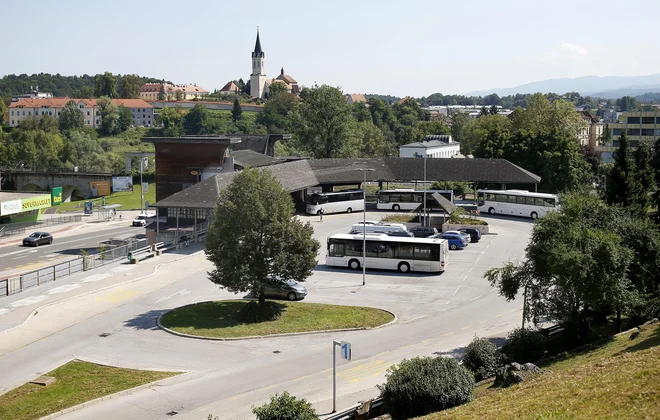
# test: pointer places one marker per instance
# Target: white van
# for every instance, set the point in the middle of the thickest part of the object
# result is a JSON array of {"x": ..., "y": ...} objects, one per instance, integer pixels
[{"x": 379, "y": 228}]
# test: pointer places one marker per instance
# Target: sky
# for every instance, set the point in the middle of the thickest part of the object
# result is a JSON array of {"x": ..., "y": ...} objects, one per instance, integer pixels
[{"x": 411, "y": 48}]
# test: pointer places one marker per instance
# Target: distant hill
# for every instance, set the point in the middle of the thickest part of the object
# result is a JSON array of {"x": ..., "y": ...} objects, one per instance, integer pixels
[{"x": 604, "y": 87}]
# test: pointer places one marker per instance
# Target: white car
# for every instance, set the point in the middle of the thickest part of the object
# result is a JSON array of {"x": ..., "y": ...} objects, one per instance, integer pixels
[
  {"x": 140, "y": 220},
  {"x": 368, "y": 222}
]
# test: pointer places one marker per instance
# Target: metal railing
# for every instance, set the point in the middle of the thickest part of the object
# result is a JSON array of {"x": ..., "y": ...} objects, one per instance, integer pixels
[
  {"x": 11, "y": 229},
  {"x": 113, "y": 254},
  {"x": 20, "y": 282}
]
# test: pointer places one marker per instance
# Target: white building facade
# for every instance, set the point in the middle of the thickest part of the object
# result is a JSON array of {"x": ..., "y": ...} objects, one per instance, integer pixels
[
  {"x": 258, "y": 75},
  {"x": 442, "y": 146}
]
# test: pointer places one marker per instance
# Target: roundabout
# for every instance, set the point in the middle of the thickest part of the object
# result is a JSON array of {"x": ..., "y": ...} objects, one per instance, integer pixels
[{"x": 220, "y": 320}]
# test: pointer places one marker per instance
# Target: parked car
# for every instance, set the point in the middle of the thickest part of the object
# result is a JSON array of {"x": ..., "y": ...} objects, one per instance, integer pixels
[
  {"x": 475, "y": 234},
  {"x": 140, "y": 220},
  {"x": 405, "y": 234},
  {"x": 290, "y": 289},
  {"x": 466, "y": 236},
  {"x": 38, "y": 238},
  {"x": 454, "y": 241},
  {"x": 368, "y": 222},
  {"x": 423, "y": 231}
]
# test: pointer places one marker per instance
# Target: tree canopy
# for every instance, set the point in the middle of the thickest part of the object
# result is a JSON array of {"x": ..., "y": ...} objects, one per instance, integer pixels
[{"x": 71, "y": 117}]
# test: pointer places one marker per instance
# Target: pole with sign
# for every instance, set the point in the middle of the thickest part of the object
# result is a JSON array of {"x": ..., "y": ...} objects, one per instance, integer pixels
[{"x": 345, "y": 353}]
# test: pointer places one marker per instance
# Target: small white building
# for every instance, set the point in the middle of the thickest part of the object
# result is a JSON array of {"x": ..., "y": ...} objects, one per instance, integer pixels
[{"x": 439, "y": 146}]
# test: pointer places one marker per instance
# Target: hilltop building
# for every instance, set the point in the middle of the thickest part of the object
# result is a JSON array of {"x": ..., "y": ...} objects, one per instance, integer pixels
[
  {"x": 151, "y": 91},
  {"x": 259, "y": 83},
  {"x": 434, "y": 146}
]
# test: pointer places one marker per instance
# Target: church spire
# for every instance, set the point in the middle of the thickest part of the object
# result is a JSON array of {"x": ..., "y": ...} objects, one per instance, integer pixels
[{"x": 257, "y": 47}]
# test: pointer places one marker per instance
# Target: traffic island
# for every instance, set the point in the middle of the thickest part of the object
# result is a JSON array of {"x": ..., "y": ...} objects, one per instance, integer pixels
[
  {"x": 221, "y": 320},
  {"x": 75, "y": 382}
]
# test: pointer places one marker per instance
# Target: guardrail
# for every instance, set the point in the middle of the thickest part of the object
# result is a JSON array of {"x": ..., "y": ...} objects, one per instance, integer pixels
[
  {"x": 113, "y": 254},
  {"x": 19, "y": 282},
  {"x": 363, "y": 411}
]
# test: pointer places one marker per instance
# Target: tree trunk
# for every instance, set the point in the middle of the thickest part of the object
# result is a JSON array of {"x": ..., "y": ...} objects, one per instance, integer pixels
[
  {"x": 618, "y": 320},
  {"x": 262, "y": 296}
]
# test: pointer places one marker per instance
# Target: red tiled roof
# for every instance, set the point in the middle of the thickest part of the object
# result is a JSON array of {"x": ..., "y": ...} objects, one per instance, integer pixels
[
  {"x": 229, "y": 87},
  {"x": 357, "y": 97},
  {"x": 61, "y": 102}
]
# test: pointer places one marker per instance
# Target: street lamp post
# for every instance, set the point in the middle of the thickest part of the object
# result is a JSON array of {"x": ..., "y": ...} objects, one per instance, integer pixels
[
  {"x": 364, "y": 226},
  {"x": 424, "y": 223},
  {"x": 142, "y": 160}
]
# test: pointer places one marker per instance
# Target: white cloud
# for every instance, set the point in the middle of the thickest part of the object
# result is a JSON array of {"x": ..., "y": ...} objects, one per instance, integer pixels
[{"x": 571, "y": 51}]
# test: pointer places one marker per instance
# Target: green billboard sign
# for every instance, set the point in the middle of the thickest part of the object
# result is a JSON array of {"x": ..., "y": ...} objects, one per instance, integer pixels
[{"x": 56, "y": 196}]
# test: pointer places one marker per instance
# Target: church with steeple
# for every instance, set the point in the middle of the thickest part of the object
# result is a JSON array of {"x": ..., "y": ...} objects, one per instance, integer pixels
[{"x": 259, "y": 83}]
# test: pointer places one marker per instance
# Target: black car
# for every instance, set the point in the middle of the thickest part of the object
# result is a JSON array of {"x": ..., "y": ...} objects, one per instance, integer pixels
[
  {"x": 38, "y": 238},
  {"x": 475, "y": 234},
  {"x": 405, "y": 234},
  {"x": 423, "y": 231}
]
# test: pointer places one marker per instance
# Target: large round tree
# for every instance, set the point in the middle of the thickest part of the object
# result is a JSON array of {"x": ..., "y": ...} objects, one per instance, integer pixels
[{"x": 253, "y": 235}]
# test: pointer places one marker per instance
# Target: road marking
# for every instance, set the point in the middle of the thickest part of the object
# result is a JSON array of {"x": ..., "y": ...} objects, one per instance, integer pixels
[
  {"x": 513, "y": 310},
  {"x": 428, "y": 340},
  {"x": 465, "y": 328},
  {"x": 410, "y": 320},
  {"x": 64, "y": 288},
  {"x": 179, "y": 293},
  {"x": 459, "y": 286},
  {"x": 383, "y": 353},
  {"x": 448, "y": 302},
  {"x": 51, "y": 255},
  {"x": 122, "y": 268},
  {"x": 497, "y": 316},
  {"x": 28, "y": 301},
  {"x": 470, "y": 270},
  {"x": 485, "y": 320},
  {"x": 96, "y": 277},
  {"x": 447, "y": 334},
  {"x": 477, "y": 260},
  {"x": 198, "y": 298},
  {"x": 4, "y": 311},
  {"x": 118, "y": 295},
  {"x": 475, "y": 298},
  {"x": 493, "y": 289},
  {"x": 464, "y": 278},
  {"x": 446, "y": 309},
  {"x": 364, "y": 371}
]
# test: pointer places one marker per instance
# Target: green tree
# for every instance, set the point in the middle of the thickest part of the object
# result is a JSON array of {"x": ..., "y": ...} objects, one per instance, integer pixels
[
  {"x": 325, "y": 126},
  {"x": 105, "y": 85},
  {"x": 645, "y": 174},
  {"x": 278, "y": 112},
  {"x": 656, "y": 169},
  {"x": 626, "y": 103},
  {"x": 196, "y": 120},
  {"x": 162, "y": 94},
  {"x": 623, "y": 186},
  {"x": 373, "y": 142},
  {"x": 236, "y": 111},
  {"x": 172, "y": 120},
  {"x": 125, "y": 120},
  {"x": 277, "y": 88},
  {"x": 3, "y": 111},
  {"x": 35, "y": 148},
  {"x": 83, "y": 151},
  {"x": 71, "y": 117},
  {"x": 285, "y": 407},
  {"x": 253, "y": 235},
  {"x": 488, "y": 136},
  {"x": 109, "y": 113},
  {"x": 129, "y": 86},
  {"x": 460, "y": 123},
  {"x": 178, "y": 94},
  {"x": 493, "y": 110}
]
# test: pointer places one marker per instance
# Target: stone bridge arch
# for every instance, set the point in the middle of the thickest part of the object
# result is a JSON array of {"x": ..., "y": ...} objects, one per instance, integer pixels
[{"x": 71, "y": 193}]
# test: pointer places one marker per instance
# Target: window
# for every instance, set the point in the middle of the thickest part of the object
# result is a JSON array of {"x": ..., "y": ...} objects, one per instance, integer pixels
[
  {"x": 29, "y": 112},
  {"x": 501, "y": 198},
  {"x": 491, "y": 197},
  {"x": 539, "y": 202},
  {"x": 372, "y": 249},
  {"x": 529, "y": 201},
  {"x": 384, "y": 197},
  {"x": 23, "y": 113},
  {"x": 422, "y": 252},
  {"x": 405, "y": 252},
  {"x": 87, "y": 122},
  {"x": 87, "y": 113},
  {"x": 12, "y": 112},
  {"x": 647, "y": 131},
  {"x": 616, "y": 132},
  {"x": 648, "y": 120},
  {"x": 549, "y": 202},
  {"x": 12, "y": 122},
  {"x": 354, "y": 249},
  {"x": 632, "y": 131},
  {"x": 633, "y": 120},
  {"x": 512, "y": 199},
  {"x": 520, "y": 200},
  {"x": 337, "y": 248}
]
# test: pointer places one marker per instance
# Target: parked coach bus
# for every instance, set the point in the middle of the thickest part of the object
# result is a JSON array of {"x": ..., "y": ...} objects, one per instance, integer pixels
[
  {"x": 516, "y": 203},
  {"x": 388, "y": 252},
  {"x": 336, "y": 202},
  {"x": 407, "y": 199}
]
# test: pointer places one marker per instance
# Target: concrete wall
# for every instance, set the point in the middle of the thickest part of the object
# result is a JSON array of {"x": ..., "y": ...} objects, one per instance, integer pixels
[{"x": 74, "y": 185}]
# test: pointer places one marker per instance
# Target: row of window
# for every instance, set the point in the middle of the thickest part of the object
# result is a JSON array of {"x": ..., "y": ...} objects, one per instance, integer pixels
[
  {"x": 417, "y": 197},
  {"x": 643, "y": 120},
  {"x": 188, "y": 213},
  {"x": 637, "y": 132},
  {"x": 334, "y": 198},
  {"x": 398, "y": 250},
  {"x": 139, "y": 109},
  {"x": 517, "y": 199}
]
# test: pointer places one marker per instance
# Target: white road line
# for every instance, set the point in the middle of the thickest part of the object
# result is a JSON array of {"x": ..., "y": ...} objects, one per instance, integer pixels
[
  {"x": 4, "y": 311},
  {"x": 470, "y": 269},
  {"x": 475, "y": 298},
  {"x": 51, "y": 255},
  {"x": 414, "y": 319},
  {"x": 448, "y": 308},
  {"x": 198, "y": 298},
  {"x": 464, "y": 278},
  {"x": 63, "y": 289},
  {"x": 478, "y": 258},
  {"x": 21, "y": 256},
  {"x": 182, "y": 292},
  {"x": 456, "y": 290},
  {"x": 493, "y": 289},
  {"x": 122, "y": 268},
  {"x": 96, "y": 277},
  {"x": 76, "y": 245},
  {"x": 28, "y": 301},
  {"x": 448, "y": 302}
]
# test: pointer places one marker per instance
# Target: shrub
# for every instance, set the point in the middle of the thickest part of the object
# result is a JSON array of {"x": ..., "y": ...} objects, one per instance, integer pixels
[
  {"x": 399, "y": 218},
  {"x": 524, "y": 346},
  {"x": 285, "y": 407},
  {"x": 254, "y": 312},
  {"x": 482, "y": 358},
  {"x": 425, "y": 385}
]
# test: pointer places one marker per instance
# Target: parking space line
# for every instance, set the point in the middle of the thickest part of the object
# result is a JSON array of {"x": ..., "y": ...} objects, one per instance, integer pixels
[
  {"x": 447, "y": 334},
  {"x": 497, "y": 316},
  {"x": 459, "y": 286},
  {"x": 475, "y": 298},
  {"x": 477, "y": 260},
  {"x": 465, "y": 328},
  {"x": 485, "y": 320}
]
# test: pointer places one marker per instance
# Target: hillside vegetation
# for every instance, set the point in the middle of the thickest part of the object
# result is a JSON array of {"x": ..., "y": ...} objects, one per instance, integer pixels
[{"x": 616, "y": 380}]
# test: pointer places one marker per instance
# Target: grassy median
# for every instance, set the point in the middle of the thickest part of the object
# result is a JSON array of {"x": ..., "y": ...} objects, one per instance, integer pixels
[
  {"x": 618, "y": 380},
  {"x": 76, "y": 382},
  {"x": 220, "y": 319}
]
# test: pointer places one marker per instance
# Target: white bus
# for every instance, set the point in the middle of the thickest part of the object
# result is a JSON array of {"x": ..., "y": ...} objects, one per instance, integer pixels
[
  {"x": 388, "y": 252},
  {"x": 335, "y": 202},
  {"x": 379, "y": 228},
  {"x": 516, "y": 203},
  {"x": 407, "y": 199}
]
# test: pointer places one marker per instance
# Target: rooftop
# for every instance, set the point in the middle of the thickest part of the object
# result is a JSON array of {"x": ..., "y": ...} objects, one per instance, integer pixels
[{"x": 429, "y": 144}]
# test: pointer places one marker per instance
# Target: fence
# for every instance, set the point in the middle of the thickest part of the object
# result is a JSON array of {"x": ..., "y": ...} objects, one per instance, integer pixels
[
  {"x": 20, "y": 282},
  {"x": 112, "y": 254},
  {"x": 11, "y": 229}
]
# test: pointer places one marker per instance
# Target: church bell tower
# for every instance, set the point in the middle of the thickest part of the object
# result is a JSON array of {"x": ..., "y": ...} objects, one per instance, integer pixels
[{"x": 258, "y": 76}]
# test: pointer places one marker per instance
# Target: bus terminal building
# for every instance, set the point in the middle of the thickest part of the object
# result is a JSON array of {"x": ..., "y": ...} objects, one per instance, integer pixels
[{"x": 191, "y": 207}]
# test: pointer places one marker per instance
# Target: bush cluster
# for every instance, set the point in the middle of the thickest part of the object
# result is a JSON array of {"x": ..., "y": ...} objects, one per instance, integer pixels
[
  {"x": 482, "y": 358},
  {"x": 253, "y": 312},
  {"x": 425, "y": 385},
  {"x": 524, "y": 346},
  {"x": 285, "y": 407}
]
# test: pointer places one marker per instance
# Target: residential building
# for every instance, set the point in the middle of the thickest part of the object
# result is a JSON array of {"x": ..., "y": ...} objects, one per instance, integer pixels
[
  {"x": 33, "y": 93},
  {"x": 591, "y": 131},
  {"x": 474, "y": 111},
  {"x": 640, "y": 126},
  {"x": 437, "y": 146},
  {"x": 150, "y": 91},
  {"x": 143, "y": 113},
  {"x": 230, "y": 88},
  {"x": 355, "y": 97}
]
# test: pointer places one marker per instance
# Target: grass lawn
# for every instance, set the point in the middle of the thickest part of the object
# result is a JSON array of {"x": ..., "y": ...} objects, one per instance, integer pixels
[
  {"x": 219, "y": 319},
  {"x": 617, "y": 380},
  {"x": 76, "y": 383},
  {"x": 128, "y": 201}
]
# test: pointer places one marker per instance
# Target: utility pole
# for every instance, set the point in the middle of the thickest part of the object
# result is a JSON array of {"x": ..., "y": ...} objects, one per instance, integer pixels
[
  {"x": 425, "y": 221},
  {"x": 364, "y": 226},
  {"x": 142, "y": 161}
]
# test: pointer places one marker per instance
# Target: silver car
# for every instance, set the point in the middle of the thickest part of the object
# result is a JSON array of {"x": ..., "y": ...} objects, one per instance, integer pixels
[{"x": 289, "y": 289}]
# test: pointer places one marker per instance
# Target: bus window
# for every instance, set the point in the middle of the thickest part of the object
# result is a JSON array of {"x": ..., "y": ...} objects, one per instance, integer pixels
[
  {"x": 386, "y": 251},
  {"x": 481, "y": 200},
  {"x": 501, "y": 198},
  {"x": 512, "y": 199},
  {"x": 538, "y": 202},
  {"x": 354, "y": 249},
  {"x": 520, "y": 200},
  {"x": 491, "y": 197},
  {"x": 384, "y": 197},
  {"x": 422, "y": 252},
  {"x": 529, "y": 201},
  {"x": 372, "y": 249},
  {"x": 395, "y": 198},
  {"x": 337, "y": 249},
  {"x": 356, "y": 196},
  {"x": 404, "y": 251},
  {"x": 549, "y": 202}
]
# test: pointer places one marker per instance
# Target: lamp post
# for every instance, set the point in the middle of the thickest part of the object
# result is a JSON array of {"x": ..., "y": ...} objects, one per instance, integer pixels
[
  {"x": 142, "y": 161},
  {"x": 364, "y": 224},
  {"x": 424, "y": 224}
]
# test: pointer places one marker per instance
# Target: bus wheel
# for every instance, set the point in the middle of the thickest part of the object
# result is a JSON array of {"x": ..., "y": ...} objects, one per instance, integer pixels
[
  {"x": 491, "y": 211},
  {"x": 396, "y": 207},
  {"x": 534, "y": 215},
  {"x": 404, "y": 267},
  {"x": 349, "y": 210},
  {"x": 354, "y": 264}
]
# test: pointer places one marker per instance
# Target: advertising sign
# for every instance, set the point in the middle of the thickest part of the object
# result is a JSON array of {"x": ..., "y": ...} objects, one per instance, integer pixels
[
  {"x": 145, "y": 187},
  {"x": 89, "y": 209},
  {"x": 10, "y": 207},
  {"x": 103, "y": 187},
  {"x": 56, "y": 196},
  {"x": 122, "y": 183},
  {"x": 36, "y": 202}
]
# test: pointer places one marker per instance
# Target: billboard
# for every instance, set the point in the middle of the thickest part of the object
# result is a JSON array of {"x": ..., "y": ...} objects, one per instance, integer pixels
[
  {"x": 102, "y": 187},
  {"x": 10, "y": 207},
  {"x": 56, "y": 196},
  {"x": 37, "y": 202},
  {"x": 89, "y": 208},
  {"x": 122, "y": 183}
]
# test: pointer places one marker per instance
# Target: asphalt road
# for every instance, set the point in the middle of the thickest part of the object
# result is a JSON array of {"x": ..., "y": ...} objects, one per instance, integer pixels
[
  {"x": 438, "y": 315},
  {"x": 28, "y": 258}
]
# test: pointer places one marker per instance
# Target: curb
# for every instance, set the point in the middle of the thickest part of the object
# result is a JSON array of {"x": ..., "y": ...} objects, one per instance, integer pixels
[
  {"x": 36, "y": 311},
  {"x": 110, "y": 396},
  {"x": 255, "y": 337}
]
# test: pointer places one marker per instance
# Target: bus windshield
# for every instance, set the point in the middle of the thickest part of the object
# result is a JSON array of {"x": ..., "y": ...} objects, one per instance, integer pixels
[{"x": 317, "y": 199}]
